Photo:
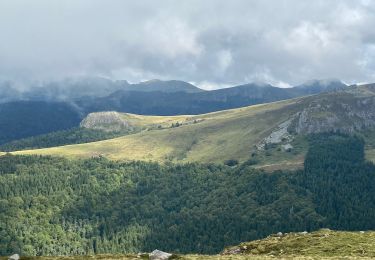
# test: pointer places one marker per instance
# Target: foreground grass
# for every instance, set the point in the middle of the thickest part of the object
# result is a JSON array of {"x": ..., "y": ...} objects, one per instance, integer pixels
[
  {"x": 322, "y": 244},
  {"x": 191, "y": 257}
]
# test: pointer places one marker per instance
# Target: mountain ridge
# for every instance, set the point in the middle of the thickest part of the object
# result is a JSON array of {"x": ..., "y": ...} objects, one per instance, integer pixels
[
  {"x": 162, "y": 103},
  {"x": 80, "y": 87},
  {"x": 269, "y": 131}
]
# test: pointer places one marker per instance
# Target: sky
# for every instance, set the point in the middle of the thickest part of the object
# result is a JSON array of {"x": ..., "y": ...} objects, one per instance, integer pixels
[{"x": 211, "y": 43}]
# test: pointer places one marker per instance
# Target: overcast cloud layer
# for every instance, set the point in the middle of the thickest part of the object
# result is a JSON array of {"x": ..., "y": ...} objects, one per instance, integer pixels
[{"x": 211, "y": 43}]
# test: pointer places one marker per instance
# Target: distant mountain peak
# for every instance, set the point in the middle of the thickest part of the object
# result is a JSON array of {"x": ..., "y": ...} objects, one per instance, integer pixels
[
  {"x": 316, "y": 86},
  {"x": 151, "y": 81},
  {"x": 260, "y": 84},
  {"x": 323, "y": 82},
  {"x": 164, "y": 86}
]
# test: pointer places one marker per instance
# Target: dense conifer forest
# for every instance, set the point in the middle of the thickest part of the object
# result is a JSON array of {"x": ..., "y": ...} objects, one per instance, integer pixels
[{"x": 56, "y": 206}]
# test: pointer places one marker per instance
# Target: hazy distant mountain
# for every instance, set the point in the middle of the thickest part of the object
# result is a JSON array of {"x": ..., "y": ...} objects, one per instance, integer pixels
[
  {"x": 87, "y": 87},
  {"x": 164, "y": 86},
  {"x": 318, "y": 86},
  {"x": 90, "y": 88},
  {"x": 175, "y": 103},
  {"x": 71, "y": 89}
]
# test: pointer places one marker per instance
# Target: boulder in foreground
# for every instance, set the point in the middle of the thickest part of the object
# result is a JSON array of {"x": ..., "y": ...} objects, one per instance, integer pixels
[
  {"x": 159, "y": 255},
  {"x": 14, "y": 257}
]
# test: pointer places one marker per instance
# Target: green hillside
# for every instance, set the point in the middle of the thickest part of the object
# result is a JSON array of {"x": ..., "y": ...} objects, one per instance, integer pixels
[
  {"x": 213, "y": 137},
  {"x": 271, "y": 135}
]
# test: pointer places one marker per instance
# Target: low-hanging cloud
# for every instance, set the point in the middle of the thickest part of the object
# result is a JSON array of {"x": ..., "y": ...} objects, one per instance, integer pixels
[{"x": 211, "y": 43}]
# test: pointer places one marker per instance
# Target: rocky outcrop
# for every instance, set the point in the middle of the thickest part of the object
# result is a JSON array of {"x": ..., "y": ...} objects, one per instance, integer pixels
[
  {"x": 335, "y": 113},
  {"x": 159, "y": 255},
  {"x": 279, "y": 134},
  {"x": 105, "y": 121},
  {"x": 347, "y": 111},
  {"x": 14, "y": 257}
]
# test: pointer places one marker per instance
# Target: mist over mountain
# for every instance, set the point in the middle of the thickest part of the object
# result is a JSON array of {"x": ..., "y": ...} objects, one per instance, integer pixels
[
  {"x": 168, "y": 86},
  {"x": 8, "y": 92},
  {"x": 80, "y": 88},
  {"x": 317, "y": 86},
  {"x": 71, "y": 89}
]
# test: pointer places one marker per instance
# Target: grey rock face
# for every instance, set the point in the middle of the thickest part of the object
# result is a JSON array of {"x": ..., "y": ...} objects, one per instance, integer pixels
[
  {"x": 159, "y": 255},
  {"x": 106, "y": 121},
  {"x": 277, "y": 135},
  {"x": 287, "y": 147},
  {"x": 340, "y": 113},
  {"x": 233, "y": 251}
]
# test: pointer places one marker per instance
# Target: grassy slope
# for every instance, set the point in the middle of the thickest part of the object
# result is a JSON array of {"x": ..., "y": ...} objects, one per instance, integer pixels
[
  {"x": 215, "y": 137},
  {"x": 322, "y": 244},
  {"x": 369, "y": 137}
]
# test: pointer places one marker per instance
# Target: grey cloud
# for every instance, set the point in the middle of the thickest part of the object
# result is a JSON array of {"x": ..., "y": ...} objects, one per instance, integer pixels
[{"x": 215, "y": 42}]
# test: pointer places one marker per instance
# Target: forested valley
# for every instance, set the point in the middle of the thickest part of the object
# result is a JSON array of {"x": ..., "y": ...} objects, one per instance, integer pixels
[{"x": 57, "y": 206}]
